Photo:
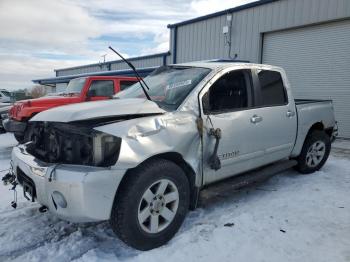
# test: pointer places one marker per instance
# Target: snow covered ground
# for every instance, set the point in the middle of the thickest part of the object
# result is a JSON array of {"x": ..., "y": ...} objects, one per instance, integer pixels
[{"x": 288, "y": 218}]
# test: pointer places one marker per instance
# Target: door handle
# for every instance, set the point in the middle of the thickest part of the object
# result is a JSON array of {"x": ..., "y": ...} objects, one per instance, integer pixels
[
  {"x": 290, "y": 113},
  {"x": 256, "y": 119}
]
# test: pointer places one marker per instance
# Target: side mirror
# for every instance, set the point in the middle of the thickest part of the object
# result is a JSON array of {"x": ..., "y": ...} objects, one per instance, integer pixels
[{"x": 205, "y": 103}]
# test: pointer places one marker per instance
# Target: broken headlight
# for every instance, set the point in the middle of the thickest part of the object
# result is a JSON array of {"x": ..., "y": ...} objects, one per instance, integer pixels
[
  {"x": 72, "y": 144},
  {"x": 106, "y": 149}
]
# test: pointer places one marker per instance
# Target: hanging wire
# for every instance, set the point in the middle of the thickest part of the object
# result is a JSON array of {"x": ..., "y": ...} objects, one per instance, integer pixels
[{"x": 229, "y": 35}]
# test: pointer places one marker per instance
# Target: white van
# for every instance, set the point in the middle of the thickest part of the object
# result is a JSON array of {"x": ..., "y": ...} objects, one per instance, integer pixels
[{"x": 5, "y": 96}]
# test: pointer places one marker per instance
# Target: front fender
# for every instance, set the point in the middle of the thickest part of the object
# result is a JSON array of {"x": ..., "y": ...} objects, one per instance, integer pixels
[{"x": 143, "y": 138}]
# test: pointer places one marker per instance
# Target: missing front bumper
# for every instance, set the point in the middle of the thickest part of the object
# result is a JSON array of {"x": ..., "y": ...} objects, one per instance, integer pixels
[{"x": 88, "y": 192}]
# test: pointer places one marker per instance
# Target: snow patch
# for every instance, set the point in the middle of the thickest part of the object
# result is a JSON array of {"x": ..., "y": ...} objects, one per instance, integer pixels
[{"x": 290, "y": 217}]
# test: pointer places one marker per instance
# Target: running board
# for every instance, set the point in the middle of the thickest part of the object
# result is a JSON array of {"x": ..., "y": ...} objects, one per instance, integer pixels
[{"x": 245, "y": 179}]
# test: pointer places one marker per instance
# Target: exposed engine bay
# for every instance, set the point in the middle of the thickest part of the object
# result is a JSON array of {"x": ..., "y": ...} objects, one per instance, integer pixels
[{"x": 72, "y": 143}]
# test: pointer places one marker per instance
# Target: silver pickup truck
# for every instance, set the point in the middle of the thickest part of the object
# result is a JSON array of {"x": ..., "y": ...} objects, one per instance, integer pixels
[{"x": 141, "y": 163}]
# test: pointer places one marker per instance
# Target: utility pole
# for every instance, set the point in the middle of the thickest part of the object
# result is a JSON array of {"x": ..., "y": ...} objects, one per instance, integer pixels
[{"x": 104, "y": 58}]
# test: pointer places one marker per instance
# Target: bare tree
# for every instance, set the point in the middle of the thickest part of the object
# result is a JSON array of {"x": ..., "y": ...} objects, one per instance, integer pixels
[{"x": 38, "y": 91}]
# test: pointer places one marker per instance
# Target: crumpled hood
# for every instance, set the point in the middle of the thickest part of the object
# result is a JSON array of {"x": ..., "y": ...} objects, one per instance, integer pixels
[{"x": 99, "y": 109}]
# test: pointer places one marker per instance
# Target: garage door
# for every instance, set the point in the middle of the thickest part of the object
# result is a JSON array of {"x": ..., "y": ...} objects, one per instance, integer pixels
[{"x": 317, "y": 61}]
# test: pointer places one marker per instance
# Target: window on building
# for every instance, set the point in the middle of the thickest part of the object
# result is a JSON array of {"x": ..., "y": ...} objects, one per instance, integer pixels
[
  {"x": 125, "y": 84},
  {"x": 231, "y": 92},
  {"x": 273, "y": 92},
  {"x": 102, "y": 88}
]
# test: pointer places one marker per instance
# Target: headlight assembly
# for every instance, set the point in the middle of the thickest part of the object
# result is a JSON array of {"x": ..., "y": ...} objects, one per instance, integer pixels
[
  {"x": 62, "y": 143},
  {"x": 106, "y": 149},
  {"x": 39, "y": 171}
]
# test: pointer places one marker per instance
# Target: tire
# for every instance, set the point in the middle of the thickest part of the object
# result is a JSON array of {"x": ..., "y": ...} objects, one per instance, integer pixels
[
  {"x": 133, "y": 200},
  {"x": 19, "y": 137},
  {"x": 314, "y": 153}
]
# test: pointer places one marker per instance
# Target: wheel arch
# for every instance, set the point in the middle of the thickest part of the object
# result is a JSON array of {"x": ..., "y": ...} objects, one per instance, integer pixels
[
  {"x": 315, "y": 126},
  {"x": 321, "y": 127},
  {"x": 301, "y": 138},
  {"x": 177, "y": 159},
  {"x": 319, "y": 133}
]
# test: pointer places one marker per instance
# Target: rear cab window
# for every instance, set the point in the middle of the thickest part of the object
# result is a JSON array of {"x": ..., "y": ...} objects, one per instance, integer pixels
[
  {"x": 124, "y": 84},
  {"x": 272, "y": 89}
]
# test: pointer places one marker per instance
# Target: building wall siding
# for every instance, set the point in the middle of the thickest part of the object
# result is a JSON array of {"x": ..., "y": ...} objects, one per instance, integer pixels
[
  {"x": 205, "y": 40},
  {"x": 142, "y": 63},
  {"x": 317, "y": 61},
  {"x": 114, "y": 65}
]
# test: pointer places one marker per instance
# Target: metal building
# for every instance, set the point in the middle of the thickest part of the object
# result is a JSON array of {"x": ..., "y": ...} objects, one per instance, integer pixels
[{"x": 309, "y": 38}]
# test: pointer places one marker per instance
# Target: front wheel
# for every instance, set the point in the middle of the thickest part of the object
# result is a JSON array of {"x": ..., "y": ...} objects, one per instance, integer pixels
[
  {"x": 151, "y": 204},
  {"x": 314, "y": 153}
]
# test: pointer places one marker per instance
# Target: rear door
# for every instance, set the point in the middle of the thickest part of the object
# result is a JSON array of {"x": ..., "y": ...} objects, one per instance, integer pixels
[{"x": 276, "y": 109}]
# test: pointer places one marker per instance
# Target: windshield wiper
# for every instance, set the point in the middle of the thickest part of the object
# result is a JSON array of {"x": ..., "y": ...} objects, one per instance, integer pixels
[{"x": 142, "y": 83}]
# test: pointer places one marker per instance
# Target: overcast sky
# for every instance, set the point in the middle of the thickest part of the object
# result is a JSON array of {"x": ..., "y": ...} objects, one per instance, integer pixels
[{"x": 38, "y": 36}]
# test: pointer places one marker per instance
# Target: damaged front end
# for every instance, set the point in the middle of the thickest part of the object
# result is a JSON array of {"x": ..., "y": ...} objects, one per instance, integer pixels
[{"x": 69, "y": 143}]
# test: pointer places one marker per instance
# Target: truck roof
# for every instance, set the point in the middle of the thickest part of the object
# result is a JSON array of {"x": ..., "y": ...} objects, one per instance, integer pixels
[
  {"x": 109, "y": 77},
  {"x": 222, "y": 64}
]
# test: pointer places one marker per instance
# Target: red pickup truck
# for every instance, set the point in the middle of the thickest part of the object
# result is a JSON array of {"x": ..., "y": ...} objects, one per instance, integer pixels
[{"x": 91, "y": 88}]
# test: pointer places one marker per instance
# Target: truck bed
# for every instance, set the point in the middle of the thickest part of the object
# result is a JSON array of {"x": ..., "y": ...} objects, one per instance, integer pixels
[
  {"x": 309, "y": 101},
  {"x": 309, "y": 112}
]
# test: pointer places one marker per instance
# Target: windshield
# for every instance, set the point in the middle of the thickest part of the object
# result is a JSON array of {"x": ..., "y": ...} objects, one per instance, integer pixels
[
  {"x": 75, "y": 85},
  {"x": 168, "y": 86}
]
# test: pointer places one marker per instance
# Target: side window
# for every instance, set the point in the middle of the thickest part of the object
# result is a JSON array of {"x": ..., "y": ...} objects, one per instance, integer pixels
[
  {"x": 101, "y": 88},
  {"x": 273, "y": 92},
  {"x": 229, "y": 93},
  {"x": 125, "y": 84}
]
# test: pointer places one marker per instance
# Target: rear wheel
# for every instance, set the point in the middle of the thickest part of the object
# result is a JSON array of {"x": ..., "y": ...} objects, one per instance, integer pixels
[
  {"x": 314, "y": 153},
  {"x": 151, "y": 204}
]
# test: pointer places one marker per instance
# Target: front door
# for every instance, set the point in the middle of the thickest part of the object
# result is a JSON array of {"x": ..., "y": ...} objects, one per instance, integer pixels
[
  {"x": 100, "y": 90},
  {"x": 228, "y": 105}
]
